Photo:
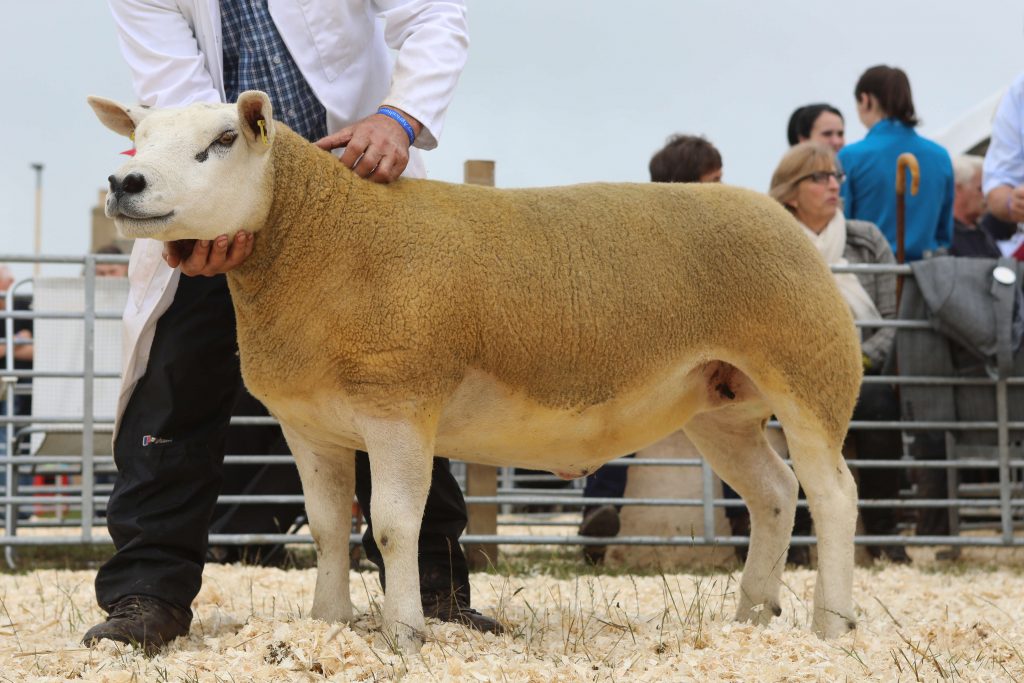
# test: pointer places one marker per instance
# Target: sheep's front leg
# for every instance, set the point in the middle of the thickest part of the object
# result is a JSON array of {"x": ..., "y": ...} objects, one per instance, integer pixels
[
  {"x": 401, "y": 455},
  {"x": 328, "y": 483}
]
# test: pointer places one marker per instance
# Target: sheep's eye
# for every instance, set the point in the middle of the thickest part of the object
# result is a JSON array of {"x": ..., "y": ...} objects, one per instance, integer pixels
[{"x": 227, "y": 138}]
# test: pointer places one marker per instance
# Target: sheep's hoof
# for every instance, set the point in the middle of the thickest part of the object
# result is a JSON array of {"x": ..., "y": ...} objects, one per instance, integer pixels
[
  {"x": 759, "y": 615},
  {"x": 402, "y": 639},
  {"x": 830, "y": 625},
  {"x": 332, "y": 612}
]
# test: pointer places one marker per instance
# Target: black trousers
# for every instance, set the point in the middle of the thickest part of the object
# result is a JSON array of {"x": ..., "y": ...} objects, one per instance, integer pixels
[
  {"x": 169, "y": 453},
  {"x": 878, "y": 402}
]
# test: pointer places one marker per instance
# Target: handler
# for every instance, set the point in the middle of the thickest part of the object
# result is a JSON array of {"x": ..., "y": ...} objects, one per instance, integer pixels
[
  {"x": 181, "y": 373},
  {"x": 1003, "y": 176}
]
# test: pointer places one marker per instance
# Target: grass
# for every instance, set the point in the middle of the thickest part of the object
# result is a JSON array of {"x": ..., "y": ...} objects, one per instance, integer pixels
[
  {"x": 32, "y": 558},
  {"x": 566, "y": 562}
]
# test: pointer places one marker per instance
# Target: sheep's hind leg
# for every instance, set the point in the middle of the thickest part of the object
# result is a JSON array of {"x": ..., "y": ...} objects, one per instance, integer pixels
[
  {"x": 733, "y": 440},
  {"x": 401, "y": 457},
  {"x": 328, "y": 483},
  {"x": 832, "y": 496}
]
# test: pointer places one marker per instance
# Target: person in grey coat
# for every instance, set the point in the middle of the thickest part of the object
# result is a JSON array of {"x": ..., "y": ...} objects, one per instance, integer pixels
[{"x": 807, "y": 182}]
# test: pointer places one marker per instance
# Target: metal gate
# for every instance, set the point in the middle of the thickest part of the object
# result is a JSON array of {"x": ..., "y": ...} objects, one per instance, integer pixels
[{"x": 59, "y": 499}]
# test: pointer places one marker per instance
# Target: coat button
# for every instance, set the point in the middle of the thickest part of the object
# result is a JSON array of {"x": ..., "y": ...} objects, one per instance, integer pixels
[{"x": 1004, "y": 275}]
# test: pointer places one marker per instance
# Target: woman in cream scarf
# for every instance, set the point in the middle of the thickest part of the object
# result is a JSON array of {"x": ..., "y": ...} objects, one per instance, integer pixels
[{"x": 807, "y": 182}]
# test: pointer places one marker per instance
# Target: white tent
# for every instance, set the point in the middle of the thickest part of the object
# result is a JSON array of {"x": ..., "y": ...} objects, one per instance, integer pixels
[{"x": 970, "y": 133}]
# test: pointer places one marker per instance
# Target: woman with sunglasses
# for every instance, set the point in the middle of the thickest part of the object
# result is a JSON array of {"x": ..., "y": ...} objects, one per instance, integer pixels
[
  {"x": 807, "y": 183},
  {"x": 886, "y": 108}
]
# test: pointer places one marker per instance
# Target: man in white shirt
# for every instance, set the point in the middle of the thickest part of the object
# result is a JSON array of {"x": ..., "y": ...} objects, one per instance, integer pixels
[
  {"x": 336, "y": 87},
  {"x": 1003, "y": 178}
]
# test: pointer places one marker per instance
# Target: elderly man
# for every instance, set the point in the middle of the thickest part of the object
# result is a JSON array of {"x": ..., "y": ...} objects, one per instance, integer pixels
[{"x": 969, "y": 238}]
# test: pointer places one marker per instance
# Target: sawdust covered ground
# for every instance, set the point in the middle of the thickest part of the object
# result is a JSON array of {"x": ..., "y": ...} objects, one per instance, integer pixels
[{"x": 920, "y": 623}]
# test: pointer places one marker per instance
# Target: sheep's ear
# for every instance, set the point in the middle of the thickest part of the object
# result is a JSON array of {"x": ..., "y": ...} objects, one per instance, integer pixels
[
  {"x": 116, "y": 116},
  {"x": 257, "y": 118}
]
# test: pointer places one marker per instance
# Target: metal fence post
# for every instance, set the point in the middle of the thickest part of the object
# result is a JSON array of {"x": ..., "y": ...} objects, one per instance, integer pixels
[
  {"x": 88, "y": 395},
  {"x": 1002, "y": 417},
  {"x": 707, "y": 489}
]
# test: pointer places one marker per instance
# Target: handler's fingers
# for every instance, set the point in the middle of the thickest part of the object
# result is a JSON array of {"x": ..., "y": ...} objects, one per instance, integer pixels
[
  {"x": 391, "y": 166},
  {"x": 210, "y": 260},
  {"x": 388, "y": 170},
  {"x": 171, "y": 255},
  {"x": 335, "y": 140},
  {"x": 177, "y": 251},
  {"x": 1016, "y": 203},
  {"x": 194, "y": 263},
  {"x": 238, "y": 250},
  {"x": 368, "y": 162},
  {"x": 384, "y": 171},
  {"x": 217, "y": 257},
  {"x": 354, "y": 149},
  {"x": 197, "y": 262}
]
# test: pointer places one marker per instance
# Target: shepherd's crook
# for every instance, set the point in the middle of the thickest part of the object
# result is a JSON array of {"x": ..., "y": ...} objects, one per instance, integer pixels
[{"x": 905, "y": 161}]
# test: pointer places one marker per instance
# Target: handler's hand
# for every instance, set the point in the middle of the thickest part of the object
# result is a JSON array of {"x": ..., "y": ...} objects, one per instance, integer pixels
[
  {"x": 206, "y": 257},
  {"x": 1015, "y": 206},
  {"x": 376, "y": 148}
]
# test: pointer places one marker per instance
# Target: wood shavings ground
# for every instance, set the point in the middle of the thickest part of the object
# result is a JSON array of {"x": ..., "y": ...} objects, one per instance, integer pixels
[{"x": 252, "y": 625}]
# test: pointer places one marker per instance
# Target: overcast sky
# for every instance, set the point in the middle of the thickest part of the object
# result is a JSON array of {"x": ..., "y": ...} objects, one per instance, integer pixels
[{"x": 556, "y": 91}]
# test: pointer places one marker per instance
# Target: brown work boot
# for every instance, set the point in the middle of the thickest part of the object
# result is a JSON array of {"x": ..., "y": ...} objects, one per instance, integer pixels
[
  {"x": 141, "y": 620},
  {"x": 448, "y": 607}
]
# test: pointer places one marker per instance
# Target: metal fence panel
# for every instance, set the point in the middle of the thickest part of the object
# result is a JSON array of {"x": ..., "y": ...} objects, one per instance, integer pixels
[{"x": 71, "y": 508}]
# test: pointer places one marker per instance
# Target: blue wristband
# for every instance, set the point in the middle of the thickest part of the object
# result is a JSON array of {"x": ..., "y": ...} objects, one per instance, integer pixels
[{"x": 392, "y": 114}]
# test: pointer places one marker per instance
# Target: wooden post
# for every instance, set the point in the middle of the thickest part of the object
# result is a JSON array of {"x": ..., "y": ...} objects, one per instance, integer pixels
[
  {"x": 481, "y": 480},
  {"x": 478, "y": 172},
  {"x": 38, "y": 229}
]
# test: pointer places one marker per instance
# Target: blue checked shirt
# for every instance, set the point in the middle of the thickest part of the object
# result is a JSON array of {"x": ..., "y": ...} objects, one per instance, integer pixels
[{"x": 255, "y": 58}]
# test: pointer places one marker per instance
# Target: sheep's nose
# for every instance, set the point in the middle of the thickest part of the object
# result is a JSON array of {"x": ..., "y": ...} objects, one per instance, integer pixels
[{"x": 133, "y": 183}]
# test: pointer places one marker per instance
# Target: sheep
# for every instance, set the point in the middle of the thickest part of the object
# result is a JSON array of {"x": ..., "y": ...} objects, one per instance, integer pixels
[{"x": 553, "y": 328}]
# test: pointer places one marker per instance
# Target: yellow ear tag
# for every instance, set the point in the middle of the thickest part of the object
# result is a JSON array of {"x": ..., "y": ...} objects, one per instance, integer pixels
[
  {"x": 132, "y": 136},
  {"x": 263, "y": 131}
]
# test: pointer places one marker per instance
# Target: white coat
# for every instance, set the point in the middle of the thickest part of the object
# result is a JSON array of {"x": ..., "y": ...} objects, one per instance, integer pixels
[{"x": 174, "y": 51}]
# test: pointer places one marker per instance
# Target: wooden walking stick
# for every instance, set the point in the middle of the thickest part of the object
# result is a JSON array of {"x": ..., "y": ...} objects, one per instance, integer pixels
[{"x": 904, "y": 162}]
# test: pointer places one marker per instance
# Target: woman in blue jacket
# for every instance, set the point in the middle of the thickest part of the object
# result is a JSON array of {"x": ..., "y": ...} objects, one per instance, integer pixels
[{"x": 886, "y": 108}]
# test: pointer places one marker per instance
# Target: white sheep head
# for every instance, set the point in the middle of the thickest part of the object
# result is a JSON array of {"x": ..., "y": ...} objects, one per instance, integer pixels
[{"x": 197, "y": 172}]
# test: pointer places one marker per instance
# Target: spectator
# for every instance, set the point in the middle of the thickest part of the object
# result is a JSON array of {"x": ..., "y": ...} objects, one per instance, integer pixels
[
  {"x": 821, "y": 123},
  {"x": 886, "y": 108},
  {"x": 182, "y": 374},
  {"x": 807, "y": 182},
  {"x": 22, "y": 341},
  {"x": 686, "y": 159},
  {"x": 21, "y": 359},
  {"x": 1003, "y": 177},
  {"x": 683, "y": 159},
  {"x": 111, "y": 269},
  {"x": 22, "y": 328},
  {"x": 969, "y": 239}
]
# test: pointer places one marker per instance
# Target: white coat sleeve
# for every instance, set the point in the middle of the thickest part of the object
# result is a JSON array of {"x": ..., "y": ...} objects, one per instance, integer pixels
[
  {"x": 1004, "y": 160},
  {"x": 432, "y": 40},
  {"x": 160, "y": 47}
]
